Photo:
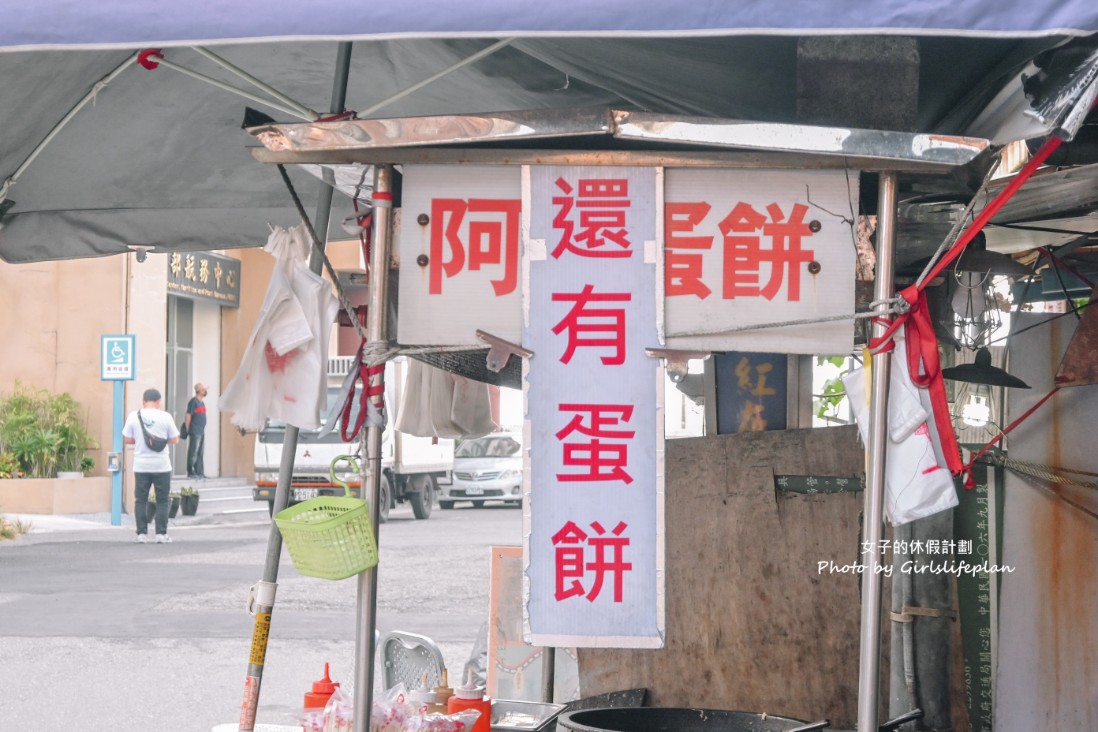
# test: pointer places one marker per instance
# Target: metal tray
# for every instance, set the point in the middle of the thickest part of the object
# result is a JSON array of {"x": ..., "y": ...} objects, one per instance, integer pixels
[{"x": 512, "y": 715}]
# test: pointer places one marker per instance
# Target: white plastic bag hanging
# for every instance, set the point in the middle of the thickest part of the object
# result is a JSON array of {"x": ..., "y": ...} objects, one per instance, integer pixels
[
  {"x": 283, "y": 372},
  {"x": 441, "y": 401},
  {"x": 414, "y": 413},
  {"x": 916, "y": 484},
  {"x": 472, "y": 407}
]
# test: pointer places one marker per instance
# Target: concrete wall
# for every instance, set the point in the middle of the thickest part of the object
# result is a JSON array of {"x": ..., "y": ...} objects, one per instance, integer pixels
[
  {"x": 51, "y": 317},
  {"x": 55, "y": 495},
  {"x": 53, "y": 313}
]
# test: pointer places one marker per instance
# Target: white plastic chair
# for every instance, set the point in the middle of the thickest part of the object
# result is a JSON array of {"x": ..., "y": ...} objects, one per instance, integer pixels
[{"x": 407, "y": 656}]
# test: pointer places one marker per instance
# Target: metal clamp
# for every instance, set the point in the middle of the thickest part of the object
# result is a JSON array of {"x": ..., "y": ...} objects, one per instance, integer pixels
[
  {"x": 677, "y": 362},
  {"x": 261, "y": 594},
  {"x": 500, "y": 351}
]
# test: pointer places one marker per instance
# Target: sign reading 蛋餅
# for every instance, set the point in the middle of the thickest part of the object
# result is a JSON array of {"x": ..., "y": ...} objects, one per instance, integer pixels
[
  {"x": 460, "y": 254},
  {"x": 594, "y": 431},
  {"x": 754, "y": 247},
  {"x": 205, "y": 276},
  {"x": 117, "y": 358}
]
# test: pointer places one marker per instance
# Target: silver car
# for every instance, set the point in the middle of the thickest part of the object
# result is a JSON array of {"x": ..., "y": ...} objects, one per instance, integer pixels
[{"x": 488, "y": 468}]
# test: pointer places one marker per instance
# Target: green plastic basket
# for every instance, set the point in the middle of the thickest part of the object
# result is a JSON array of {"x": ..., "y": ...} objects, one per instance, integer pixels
[{"x": 329, "y": 537}]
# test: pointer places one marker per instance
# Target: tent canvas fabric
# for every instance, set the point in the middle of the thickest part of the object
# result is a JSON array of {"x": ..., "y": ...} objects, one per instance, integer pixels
[
  {"x": 128, "y": 22},
  {"x": 158, "y": 159}
]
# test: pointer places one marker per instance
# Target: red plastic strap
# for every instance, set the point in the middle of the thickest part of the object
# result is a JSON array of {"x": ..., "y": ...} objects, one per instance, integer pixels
[
  {"x": 382, "y": 196},
  {"x": 970, "y": 481},
  {"x": 926, "y": 371},
  {"x": 375, "y": 392},
  {"x": 989, "y": 211},
  {"x": 337, "y": 117},
  {"x": 145, "y": 58},
  {"x": 884, "y": 342}
]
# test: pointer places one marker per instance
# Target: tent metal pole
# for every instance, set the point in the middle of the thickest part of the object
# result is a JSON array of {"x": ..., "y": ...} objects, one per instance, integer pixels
[
  {"x": 376, "y": 319},
  {"x": 11, "y": 180},
  {"x": 261, "y": 602},
  {"x": 870, "y": 640},
  {"x": 432, "y": 79},
  {"x": 302, "y": 110}
]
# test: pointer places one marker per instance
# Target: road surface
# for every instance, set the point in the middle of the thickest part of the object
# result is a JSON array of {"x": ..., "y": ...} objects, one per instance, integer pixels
[{"x": 98, "y": 634}]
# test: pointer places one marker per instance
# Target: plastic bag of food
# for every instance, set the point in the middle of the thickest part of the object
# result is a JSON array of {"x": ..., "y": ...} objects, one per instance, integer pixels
[
  {"x": 459, "y": 722},
  {"x": 339, "y": 712},
  {"x": 391, "y": 712}
]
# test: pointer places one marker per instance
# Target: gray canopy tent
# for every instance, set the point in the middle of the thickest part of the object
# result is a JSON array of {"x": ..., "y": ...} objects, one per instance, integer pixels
[{"x": 103, "y": 154}]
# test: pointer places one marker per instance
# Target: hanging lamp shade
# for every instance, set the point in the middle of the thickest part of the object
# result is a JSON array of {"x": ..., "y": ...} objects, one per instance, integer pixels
[
  {"x": 977, "y": 258},
  {"x": 982, "y": 372}
]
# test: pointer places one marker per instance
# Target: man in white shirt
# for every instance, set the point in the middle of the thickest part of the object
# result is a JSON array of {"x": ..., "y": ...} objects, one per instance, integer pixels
[{"x": 151, "y": 467}]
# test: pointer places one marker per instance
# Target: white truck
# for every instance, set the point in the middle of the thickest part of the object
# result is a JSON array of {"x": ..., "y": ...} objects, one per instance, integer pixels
[{"x": 412, "y": 467}]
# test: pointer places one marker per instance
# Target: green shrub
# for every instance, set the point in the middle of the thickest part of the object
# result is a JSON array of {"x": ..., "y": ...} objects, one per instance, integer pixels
[
  {"x": 42, "y": 432},
  {"x": 9, "y": 466}
]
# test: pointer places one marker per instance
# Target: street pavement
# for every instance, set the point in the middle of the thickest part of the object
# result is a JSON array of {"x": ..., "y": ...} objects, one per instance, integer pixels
[{"x": 99, "y": 634}]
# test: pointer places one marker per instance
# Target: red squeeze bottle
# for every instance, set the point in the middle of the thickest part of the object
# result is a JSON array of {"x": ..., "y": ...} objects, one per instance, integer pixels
[
  {"x": 322, "y": 690},
  {"x": 470, "y": 696}
]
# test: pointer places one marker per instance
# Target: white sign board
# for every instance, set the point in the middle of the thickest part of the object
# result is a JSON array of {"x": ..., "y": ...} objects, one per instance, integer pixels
[
  {"x": 742, "y": 248},
  {"x": 117, "y": 358},
  {"x": 593, "y": 527},
  {"x": 756, "y": 247},
  {"x": 460, "y": 254}
]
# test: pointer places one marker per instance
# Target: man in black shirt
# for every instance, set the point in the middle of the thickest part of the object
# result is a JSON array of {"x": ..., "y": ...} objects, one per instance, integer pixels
[{"x": 196, "y": 432}]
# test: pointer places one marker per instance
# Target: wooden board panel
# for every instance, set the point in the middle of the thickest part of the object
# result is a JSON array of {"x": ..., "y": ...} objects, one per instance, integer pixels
[{"x": 751, "y": 622}]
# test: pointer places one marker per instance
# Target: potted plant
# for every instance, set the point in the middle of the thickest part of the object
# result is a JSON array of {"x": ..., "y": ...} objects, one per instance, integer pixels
[
  {"x": 150, "y": 507},
  {"x": 87, "y": 464},
  {"x": 189, "y": 496}
]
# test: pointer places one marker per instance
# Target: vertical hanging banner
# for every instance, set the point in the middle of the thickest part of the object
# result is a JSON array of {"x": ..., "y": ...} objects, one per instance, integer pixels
[
  {"x": 593, "y": 524},
  {"x": 756, "y": 248},
  {"x": 460, "y": 255}
]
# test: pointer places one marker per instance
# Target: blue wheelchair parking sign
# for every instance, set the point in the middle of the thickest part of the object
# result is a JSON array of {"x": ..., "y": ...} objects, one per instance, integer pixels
[{"x": 117, "y": 358}]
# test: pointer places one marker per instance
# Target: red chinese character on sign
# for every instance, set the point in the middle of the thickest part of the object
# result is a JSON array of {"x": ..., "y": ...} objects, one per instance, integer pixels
[
  {"x": 683, "y": 269},
  {"x": 601, "y": 205},
  {"x": 601, "y": 460},
  {"x": 493, "y": 239},
  {"x": 583, "y": 323},
  {"x": 601, "y": 565},
  {"x": 569, "y": 560},
  {"x": 608, "y": 554},
  {"x": 744, "y": 255}
]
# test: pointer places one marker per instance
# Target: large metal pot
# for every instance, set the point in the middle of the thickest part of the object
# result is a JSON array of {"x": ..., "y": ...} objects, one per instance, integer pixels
[{"x": 658, "y": 719}]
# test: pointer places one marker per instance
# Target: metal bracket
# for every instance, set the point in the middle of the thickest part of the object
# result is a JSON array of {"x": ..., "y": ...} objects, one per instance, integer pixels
[
  {"x": 500, "y": 351},
  {"x": 677, "y": 362}
]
